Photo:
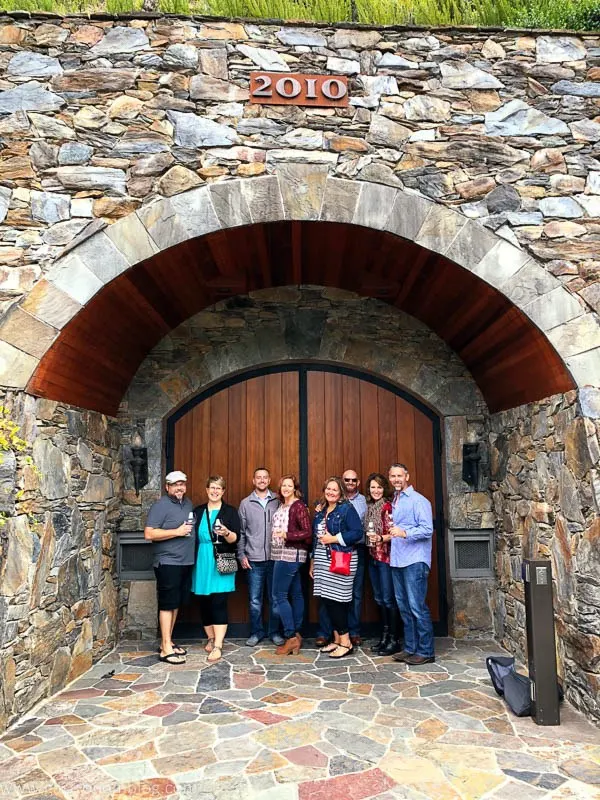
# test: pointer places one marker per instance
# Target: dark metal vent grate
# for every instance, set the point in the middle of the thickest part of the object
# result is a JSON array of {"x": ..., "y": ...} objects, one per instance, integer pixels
[
  {"x": 136, "y": 558},
  {"x": 472, "y": 554}
]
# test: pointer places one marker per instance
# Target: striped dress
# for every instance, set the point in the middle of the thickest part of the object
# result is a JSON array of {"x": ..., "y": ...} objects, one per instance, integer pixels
[{"x": 328, "y": 584}]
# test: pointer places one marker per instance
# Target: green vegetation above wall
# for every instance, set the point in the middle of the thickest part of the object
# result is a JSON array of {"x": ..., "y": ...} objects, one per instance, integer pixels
[{"x": 557, "y": 14}]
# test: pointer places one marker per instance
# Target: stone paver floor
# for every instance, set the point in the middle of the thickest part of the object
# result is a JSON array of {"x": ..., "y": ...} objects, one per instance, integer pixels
[{"x": 280, "y": 728}]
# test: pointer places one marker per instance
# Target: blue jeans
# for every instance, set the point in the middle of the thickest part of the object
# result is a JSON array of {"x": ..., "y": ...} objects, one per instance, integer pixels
[
  {"x": 325, "y": 628},
  {"x": 288, "y": 600},
  {"x": 259, "y": 577},
  {"x": 410, "y": 588},
  {"x": 382, "y": 583}
]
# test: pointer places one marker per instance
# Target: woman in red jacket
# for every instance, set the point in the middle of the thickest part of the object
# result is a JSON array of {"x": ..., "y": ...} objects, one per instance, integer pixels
[{"x": 290, "y": 540}]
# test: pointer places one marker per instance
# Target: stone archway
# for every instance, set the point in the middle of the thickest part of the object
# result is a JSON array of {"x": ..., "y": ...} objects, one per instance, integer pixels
[{"x": 296, "y": 192}]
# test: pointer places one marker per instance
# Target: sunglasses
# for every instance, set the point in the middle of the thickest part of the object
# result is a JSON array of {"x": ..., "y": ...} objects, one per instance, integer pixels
[{"x": 350, "y": 480}]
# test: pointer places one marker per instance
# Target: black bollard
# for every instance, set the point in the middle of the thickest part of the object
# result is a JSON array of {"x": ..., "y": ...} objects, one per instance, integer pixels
[{"x": 541, "y": 647}]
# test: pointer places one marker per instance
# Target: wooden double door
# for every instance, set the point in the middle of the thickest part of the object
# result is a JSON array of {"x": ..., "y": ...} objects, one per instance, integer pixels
[{"x": 314, "y": 421}]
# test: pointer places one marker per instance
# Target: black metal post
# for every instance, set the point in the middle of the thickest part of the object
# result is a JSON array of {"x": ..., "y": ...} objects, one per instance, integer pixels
[{"x": 541, "y": 647}]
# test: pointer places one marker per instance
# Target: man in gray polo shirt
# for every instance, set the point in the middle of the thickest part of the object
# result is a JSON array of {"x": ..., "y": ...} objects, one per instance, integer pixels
[{"x": 169, "y": 527}]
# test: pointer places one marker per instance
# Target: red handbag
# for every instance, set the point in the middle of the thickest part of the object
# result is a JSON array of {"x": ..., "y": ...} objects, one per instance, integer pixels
[{"x": 340, "y": 562}]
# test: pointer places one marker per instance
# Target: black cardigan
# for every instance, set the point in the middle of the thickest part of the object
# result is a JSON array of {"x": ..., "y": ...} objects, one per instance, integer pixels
[{"x": 229, "y": 517}]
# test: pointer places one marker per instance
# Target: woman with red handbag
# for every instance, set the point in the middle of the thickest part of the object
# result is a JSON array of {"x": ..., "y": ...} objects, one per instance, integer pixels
[{"x": 336, "y": 532}]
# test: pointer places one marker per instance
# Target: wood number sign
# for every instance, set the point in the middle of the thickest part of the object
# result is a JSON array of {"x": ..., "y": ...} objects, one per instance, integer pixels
[{"x": 276, "y": 88}]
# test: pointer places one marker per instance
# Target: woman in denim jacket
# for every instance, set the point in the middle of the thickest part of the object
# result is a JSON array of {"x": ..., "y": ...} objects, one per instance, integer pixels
[{"x": 336, "y": 527}]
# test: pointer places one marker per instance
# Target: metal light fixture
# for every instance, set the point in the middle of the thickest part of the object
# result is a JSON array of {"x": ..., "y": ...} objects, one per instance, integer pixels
[
  {"x": 139, "y": 462},
  {"x": 470, "y": 466}
]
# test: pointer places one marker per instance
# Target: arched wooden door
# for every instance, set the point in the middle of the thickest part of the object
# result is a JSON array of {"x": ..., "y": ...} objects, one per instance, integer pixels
[{"x": 316, "y": 421}]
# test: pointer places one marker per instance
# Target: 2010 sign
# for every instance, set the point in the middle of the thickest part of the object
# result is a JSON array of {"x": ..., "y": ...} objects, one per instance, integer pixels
[{"x": 276, "y": 88}]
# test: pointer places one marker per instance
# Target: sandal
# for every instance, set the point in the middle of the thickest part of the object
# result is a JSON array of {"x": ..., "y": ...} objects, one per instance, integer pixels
[
  {"x": 209, "y": 645},
  {"x": 329, "y": 648},
  {"x": 349, "y": 651},
  {"x": 179, "y": 651},
  {"x": 215, "y": 647},
  {"x": 172, "y": 658}
]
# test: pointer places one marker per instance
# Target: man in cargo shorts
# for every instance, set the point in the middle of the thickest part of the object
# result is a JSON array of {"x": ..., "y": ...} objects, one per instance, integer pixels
[{"x": 169, "y": 526}]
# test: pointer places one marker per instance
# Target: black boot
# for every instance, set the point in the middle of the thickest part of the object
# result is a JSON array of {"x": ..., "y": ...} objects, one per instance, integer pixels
[
  {"x": 385, "y": 629},
  {"x": 394, "y": 644}
]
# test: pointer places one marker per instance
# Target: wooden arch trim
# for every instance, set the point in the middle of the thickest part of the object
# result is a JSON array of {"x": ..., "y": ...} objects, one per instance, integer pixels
[{"x": 95, "y": 356}]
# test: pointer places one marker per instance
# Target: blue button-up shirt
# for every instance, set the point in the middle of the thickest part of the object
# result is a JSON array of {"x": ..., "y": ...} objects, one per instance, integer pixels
[
  {"x": 411, "y": 512},
  {"x": 359, "y": 502},
  {"x": 360, "y": 505}
]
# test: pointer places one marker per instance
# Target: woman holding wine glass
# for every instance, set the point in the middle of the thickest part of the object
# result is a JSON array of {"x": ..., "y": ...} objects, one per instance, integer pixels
[
  {"x": 290, "y": 542},
  {"x": 217, "y": 527},
  {"x": 378, "y": 522}
]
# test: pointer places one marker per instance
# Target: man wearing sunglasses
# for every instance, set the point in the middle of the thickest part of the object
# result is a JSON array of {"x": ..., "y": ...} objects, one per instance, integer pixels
[{"x": 324, "y": 632}]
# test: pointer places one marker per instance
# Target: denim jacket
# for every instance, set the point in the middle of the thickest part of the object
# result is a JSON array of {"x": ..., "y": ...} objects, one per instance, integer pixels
[{"x": 343, "y": 519}]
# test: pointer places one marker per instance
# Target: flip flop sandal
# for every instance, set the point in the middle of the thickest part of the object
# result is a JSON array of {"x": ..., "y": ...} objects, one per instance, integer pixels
[
  {"x": 179, "y": 651},
  {"x": 218, "y": 658},
  {"x": 349, "y": 651},
  {"x": 172, "y": 658},
  {"x": 209, "y": 645}
]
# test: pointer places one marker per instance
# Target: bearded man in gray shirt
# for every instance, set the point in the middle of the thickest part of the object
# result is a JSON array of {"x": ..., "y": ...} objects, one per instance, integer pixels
[{"x": 169, "y": 527}]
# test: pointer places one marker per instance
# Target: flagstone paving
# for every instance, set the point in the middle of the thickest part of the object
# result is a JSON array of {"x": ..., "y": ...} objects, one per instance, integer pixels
[{"x": 256, "y": 725}]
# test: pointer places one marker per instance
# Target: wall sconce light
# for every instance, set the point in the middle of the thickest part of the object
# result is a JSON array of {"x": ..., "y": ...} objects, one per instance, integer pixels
[
  {"x": 470, "y": 467},
  {"x": 139, "y": 463}
]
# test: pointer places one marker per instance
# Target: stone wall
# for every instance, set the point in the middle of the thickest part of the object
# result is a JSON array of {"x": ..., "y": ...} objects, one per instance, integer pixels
[
  {"x": 58, "y": 594},
  {"x": 327, "y": 325},
  {"x": 546, "y": 493},
  {"x": 99, "y": 117}
]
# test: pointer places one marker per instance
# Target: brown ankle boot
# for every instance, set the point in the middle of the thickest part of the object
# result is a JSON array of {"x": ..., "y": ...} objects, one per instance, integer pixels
[{"x": 290, "y": 647}]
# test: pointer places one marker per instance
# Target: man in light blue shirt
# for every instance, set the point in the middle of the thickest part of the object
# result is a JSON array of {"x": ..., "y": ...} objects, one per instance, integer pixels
[{"x": 410, "y": 560}]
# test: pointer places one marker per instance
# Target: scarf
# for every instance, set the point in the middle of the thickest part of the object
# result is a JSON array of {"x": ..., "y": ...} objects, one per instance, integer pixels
[{"x": 374, "y": 515}]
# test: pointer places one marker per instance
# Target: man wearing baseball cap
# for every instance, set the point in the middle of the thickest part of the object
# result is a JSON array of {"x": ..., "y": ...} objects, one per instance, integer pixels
[{"x": 169, "y": 526}]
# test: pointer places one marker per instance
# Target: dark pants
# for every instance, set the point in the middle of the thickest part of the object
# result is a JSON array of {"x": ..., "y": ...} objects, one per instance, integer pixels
[
  {"x": 382, "y": 583},
  {"x": 288, "y": 600},
  {"x": 410, "y": 587},
  {"x": 260, "y": 577},
  {"x": 213, "y": 608},
  {"x": 338, "y": 613},
  {"x": 325, "y": 625}
]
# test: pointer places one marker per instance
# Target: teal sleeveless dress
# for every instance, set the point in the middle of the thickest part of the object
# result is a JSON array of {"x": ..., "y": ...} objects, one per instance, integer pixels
[{"x": 205, "y": 578}]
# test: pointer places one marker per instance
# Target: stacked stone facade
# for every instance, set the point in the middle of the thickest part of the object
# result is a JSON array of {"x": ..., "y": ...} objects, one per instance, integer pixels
[
  {"x": 121, "y": 138},
  {"x": 58, "y": 589},
  {"x": 546, "y": 498},
  {"x": 100, "y": 117}
]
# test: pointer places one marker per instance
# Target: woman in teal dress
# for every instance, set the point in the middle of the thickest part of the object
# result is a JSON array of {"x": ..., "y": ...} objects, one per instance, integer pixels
[{"x": 217, "y": 527}]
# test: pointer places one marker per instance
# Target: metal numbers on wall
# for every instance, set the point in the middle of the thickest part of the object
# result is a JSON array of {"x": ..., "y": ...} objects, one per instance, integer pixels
[{"x": 273, "y": 88}]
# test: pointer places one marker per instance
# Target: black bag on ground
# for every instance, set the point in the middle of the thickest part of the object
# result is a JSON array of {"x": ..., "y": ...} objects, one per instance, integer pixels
[
  {"x": 514, "y": 687},
  {"x": 499, "y": 667},
  {"x": 508, "y": 683},
  {"x": 517, "y": 693}
]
